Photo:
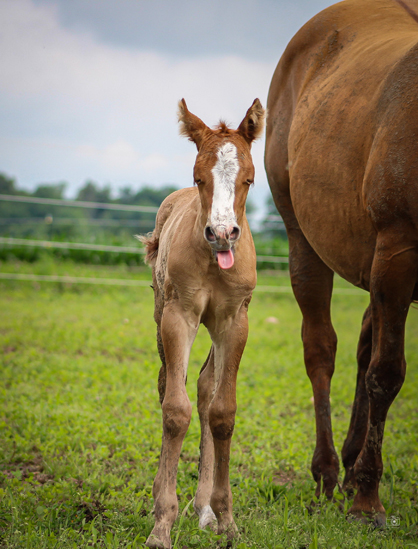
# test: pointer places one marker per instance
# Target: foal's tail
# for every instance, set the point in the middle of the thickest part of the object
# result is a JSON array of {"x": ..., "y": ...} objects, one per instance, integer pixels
[{"x": 151, "y": 242}]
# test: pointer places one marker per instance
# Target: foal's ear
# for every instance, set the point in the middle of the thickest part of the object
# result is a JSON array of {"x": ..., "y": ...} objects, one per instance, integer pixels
[
  {"x": 253, "y": 124},
  {"x": 190, "y": 125}
]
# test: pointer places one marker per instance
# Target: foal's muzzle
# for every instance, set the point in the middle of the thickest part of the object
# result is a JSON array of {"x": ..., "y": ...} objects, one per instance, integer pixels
[{"x": 222, "y": 238}]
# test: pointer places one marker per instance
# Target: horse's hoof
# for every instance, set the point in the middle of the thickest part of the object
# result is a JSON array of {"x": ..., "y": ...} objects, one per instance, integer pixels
[
  {"x": 377, "y": 520},
  {"x": 348, "y": 490},
  {"x": 207, "y": 518},
  {"x": 155, "y": 543}
]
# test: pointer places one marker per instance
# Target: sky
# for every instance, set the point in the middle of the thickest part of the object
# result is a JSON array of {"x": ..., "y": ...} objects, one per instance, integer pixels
[{"x": 89, "y": 88}]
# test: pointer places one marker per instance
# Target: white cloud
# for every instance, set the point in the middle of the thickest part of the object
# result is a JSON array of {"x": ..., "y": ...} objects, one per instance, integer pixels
[{"x": 73, "y": 108}]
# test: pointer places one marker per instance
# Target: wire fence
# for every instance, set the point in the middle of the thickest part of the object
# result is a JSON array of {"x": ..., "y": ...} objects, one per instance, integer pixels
[
  {"x": 28, "y": 277},
  {"x": 48, "y": 219},
  {"x": 41, "y": 224},
  {"x": 78, "y": 203},
  {"x": 136, "y": 250},
  {"x": 271, "y": 220},
  {"x": 54, "y": 244},
  {"x": 49, "y": 244}
]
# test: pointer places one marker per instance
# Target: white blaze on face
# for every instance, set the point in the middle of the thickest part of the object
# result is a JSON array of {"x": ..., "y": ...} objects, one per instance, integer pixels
[{"x": 224, "y": 175}]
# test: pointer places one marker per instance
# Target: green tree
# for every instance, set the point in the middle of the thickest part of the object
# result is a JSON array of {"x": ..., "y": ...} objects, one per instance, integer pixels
[
  {"x": 53, "y": 190},
  {"x": 7, "y": 184},
  {"x": 147, "y": 196},
  {"x": 92, "y": 193}
]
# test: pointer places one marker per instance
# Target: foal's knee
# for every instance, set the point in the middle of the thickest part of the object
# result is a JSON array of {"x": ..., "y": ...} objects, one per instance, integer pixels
[
  {"x": 222, "y": 420},
  {"x": 176, "y": 417}
]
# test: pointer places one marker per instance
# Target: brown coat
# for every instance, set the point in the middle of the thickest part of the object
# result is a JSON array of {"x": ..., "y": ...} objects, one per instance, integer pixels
[{"x": 342, "y": 163}]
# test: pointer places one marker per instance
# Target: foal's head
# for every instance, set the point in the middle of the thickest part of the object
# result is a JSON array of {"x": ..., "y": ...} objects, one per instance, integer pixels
[{"x": 223, "y": 172}]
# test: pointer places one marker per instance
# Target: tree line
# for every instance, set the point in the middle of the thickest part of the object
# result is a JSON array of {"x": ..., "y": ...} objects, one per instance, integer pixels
[
  {"x": 89, "y": 192},
  {"x": 96, "y": 225}
]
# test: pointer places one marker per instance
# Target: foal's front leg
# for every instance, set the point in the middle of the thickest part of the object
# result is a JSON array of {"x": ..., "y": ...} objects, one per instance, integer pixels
[
  {"x": 205, "y": 389},
  {"x": 228, "y": 348},
  {"x": 177, "y": 333}
]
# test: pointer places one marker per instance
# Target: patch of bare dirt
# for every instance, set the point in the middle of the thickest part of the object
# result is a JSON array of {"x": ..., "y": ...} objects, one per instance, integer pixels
[
  {"x": 33, "y": 469},
  {"x": 283, "y": 477}
]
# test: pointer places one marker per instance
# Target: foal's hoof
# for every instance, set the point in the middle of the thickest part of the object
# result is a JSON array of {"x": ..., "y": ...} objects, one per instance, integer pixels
[
  {"x": 158, "y": 540},
  {"x": 156, "y": 543},
  {"x": 377, "y": 520},
  {"x": 230, "y": 530},
  {"x": 207, "y": 518}
]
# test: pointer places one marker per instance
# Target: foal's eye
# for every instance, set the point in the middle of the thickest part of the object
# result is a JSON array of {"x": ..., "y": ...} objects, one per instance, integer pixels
[
  {"x": 250, "y": 181},
  {"x": 198, "y": 181}
]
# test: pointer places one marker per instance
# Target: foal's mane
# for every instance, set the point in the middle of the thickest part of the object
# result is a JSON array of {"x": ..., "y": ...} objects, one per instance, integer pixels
[{"x": 223, "y": 129}]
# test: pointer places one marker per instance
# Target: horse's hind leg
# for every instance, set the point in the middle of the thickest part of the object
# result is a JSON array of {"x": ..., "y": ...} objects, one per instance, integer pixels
[
  {"x": 312, "y": 285},
  {"x": 360, "y": 413},
  {"x": 393, "y": 278},
  {"x": 205, "y": 389}
]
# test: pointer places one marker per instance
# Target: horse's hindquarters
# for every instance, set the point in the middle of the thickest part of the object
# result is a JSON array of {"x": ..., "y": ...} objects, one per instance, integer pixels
[{"x": 341, "y": 163}]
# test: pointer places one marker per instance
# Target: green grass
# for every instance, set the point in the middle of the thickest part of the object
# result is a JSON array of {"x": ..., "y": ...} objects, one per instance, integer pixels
[{"x": 81, "y": 424}]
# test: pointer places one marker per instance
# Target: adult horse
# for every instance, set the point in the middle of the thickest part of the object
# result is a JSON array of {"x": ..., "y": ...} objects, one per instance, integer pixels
[
  {"x": 342, "y": 165},
  {"x": 204, "y": 271}
]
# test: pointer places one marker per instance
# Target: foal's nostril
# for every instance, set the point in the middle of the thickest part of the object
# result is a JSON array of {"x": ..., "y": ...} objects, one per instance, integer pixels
[
  {"x": 210, "y": 235},
  {"x": 234, "y": 233}
]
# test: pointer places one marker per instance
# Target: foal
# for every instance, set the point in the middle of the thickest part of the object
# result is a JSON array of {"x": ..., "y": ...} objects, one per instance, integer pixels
[{"x": 204, "y": 271}]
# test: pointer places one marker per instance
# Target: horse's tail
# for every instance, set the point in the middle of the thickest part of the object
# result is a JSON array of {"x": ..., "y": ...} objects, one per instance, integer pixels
[{"x": 151, "y": 242}]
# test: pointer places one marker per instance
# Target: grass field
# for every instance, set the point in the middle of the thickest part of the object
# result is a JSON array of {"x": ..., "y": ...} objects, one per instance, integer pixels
[{"x": 81, "y": 424}]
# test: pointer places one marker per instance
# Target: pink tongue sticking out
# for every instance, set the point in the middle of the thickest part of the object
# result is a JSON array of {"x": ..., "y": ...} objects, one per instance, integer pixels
[{"x": 225, "y": 259}]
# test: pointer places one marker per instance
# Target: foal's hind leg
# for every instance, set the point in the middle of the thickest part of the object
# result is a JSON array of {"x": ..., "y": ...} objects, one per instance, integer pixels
[
  {"x": 158, "y": 311},
  {"x": 360, "y": 413},
  {"x": 312, "y": 285},
  {"x": 177, "y": 333},
  {"x": 205, "y": 388},
  {"x": 162, "y": 377}
]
